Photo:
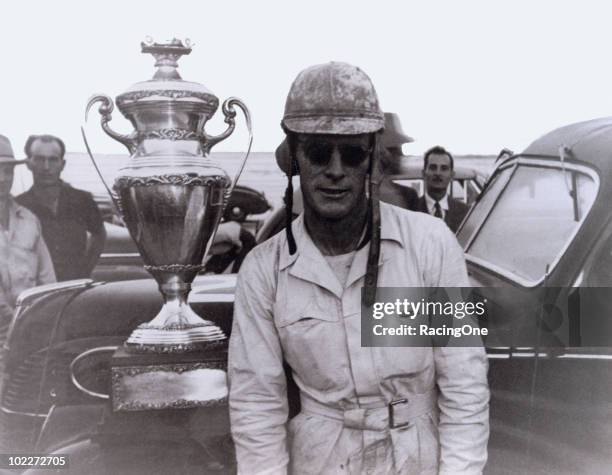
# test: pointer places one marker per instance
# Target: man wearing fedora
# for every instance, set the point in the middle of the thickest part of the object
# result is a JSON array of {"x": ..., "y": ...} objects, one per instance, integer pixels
[
  {"x": 393, "y": 138},
  {"x": 24, "y": 258}
]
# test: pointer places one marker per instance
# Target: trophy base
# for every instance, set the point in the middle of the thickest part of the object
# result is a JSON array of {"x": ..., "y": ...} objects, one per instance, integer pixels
[
  {"x": 175, "y": 338},
  {"x": 145, "y": 382}
]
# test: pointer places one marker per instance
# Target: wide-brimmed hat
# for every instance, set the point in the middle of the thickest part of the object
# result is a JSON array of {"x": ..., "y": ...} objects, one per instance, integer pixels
[
  {"x": 6, "y": 152},
  {"x": 394, "y": 136}
]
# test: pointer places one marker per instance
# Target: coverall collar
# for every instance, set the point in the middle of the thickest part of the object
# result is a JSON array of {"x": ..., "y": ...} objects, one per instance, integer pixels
[{"x": 310, "y": 265}]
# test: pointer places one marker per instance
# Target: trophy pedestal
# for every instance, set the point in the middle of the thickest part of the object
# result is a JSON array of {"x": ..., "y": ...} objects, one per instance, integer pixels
[
  {"x": 143, "y": 382},
  {"x": 176, "y": 329}
]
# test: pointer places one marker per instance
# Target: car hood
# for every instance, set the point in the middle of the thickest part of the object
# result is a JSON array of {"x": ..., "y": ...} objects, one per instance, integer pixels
[{"x": 81, "y": 309}]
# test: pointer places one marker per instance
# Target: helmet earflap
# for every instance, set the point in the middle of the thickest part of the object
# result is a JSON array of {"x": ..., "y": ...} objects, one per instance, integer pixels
[{"x": 285, "y": 158}]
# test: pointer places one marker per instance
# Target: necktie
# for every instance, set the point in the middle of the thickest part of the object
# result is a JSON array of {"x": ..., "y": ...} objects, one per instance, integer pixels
[{"x": 437, "y": 210}]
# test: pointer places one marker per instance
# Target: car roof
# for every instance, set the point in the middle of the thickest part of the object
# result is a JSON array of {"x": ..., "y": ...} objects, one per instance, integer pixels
[{"x": 589, "y": 142}]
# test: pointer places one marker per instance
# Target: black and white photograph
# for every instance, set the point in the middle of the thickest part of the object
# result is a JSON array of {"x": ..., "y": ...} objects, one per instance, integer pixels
[{"x": 303, "y": 238}]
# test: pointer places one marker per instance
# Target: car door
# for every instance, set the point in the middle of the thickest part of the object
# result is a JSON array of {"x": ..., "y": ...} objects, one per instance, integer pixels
[
  {"x": 514, "y": 238},
  {"x": 573, "y": 385}
]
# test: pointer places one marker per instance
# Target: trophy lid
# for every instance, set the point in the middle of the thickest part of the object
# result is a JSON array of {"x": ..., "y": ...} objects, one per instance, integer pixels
[{"x": 166, "y": 84}]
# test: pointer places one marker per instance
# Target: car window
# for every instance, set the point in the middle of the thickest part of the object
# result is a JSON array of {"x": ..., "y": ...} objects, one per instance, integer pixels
[
  {"x": 472, "y": 191},
  {"x": 487, "y": 200},
  {"x": 458, "y": 192},
  {"x": 533, "y": 220}
]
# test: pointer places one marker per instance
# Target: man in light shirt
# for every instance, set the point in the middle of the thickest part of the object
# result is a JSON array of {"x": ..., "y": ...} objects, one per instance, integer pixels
[
  {"x": 24, "y": 258},
  {"x": 438, "y": 174}
]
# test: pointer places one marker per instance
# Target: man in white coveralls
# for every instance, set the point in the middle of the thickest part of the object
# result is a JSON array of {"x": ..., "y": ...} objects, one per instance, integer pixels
[{"x": 298, "y": 299}]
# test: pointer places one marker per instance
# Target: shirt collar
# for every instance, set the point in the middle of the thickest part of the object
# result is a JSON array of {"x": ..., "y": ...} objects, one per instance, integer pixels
[
  {"x": 431, "y": 203},
  {"x": 309, "y": 264}
]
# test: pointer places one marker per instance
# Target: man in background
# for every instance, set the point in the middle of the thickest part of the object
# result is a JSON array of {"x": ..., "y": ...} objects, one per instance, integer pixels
[
  {"x": 71, "y": 222},
  {"x": 390, "y": 158},
  {"x": 438, "y": 173},
  {"x": 24, "y": 258}
]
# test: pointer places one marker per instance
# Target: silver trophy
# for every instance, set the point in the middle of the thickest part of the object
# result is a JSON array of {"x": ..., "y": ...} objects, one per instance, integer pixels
[{"x": 171, "y": 195}]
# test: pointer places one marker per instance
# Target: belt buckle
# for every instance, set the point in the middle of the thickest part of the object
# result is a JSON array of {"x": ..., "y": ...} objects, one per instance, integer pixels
[{"x": 394, "y": 423}]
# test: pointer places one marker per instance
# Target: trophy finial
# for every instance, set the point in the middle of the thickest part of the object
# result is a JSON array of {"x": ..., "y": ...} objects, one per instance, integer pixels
[{"x": 166, "y": 56}]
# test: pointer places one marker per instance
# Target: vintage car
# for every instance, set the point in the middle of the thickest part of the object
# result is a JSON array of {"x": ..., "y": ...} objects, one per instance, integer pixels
[
  {"x": 537, "y": 240},
  {"x": 538, "y": 243}
]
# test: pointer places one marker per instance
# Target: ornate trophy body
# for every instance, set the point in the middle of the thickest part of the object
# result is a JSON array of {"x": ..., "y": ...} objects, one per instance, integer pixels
[{"x": 171, "y": 195}]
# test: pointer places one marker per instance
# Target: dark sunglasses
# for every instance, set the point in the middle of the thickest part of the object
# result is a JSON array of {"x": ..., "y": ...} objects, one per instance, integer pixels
[{"x": 319, "y": 153}]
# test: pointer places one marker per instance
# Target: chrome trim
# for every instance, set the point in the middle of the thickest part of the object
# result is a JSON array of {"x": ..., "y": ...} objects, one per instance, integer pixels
[
  {"x": 531, "y": 353},
  {"x": 116, "y": 255},
  {"x": 78, "y": 358},
  {"x": 585, "y": 357},
  {"x": 545, "y": 163},
  {"x": 20, "y": 413},
  {"x": 579, "y": 279},
  {"x": 203, "y": 297},
  {"x": 29, "y": 294},
  {"x": 528, "y": 354}
]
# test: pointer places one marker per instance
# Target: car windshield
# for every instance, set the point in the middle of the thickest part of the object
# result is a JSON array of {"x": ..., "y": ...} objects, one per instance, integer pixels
[{"x": 531, "y": 221}]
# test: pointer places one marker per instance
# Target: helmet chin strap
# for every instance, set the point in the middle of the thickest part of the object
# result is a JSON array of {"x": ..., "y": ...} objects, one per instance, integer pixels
[
  {"x": 373, "y": 224},
  {"x": 371, "y": 276},
  {"x": 288, "y": 199}
]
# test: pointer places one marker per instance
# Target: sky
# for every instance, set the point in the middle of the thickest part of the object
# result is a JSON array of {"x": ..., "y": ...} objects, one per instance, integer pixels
[{"x": 473, "y": 76}]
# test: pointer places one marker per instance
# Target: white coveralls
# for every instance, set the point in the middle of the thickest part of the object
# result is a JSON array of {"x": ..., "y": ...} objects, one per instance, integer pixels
[{"x": 293, "y": 307}]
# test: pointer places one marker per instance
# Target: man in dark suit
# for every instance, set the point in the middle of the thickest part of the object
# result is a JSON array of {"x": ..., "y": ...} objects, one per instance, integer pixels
[{"x": 438, "y": 173}]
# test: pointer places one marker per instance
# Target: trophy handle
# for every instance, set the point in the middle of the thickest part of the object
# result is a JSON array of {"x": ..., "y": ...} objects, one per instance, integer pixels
[
  {"x": 106, "y": 108},
  {"x": 114, "y": 197},
  {"x": 209, "y": 141},
  {"x": 230, "y": 112}
]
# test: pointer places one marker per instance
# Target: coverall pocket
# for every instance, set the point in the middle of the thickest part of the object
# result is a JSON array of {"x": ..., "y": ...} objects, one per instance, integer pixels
[
  {"x": 312, "y": 339},
  {"x": 310, "y": 314}
]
